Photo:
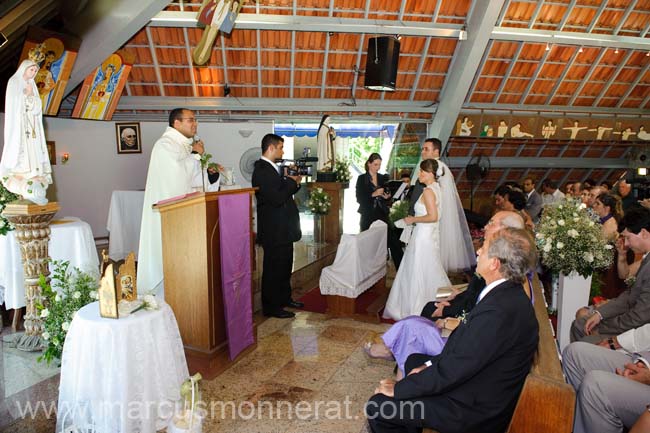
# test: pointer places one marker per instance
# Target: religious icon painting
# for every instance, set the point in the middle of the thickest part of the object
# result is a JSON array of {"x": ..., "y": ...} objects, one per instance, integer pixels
[
  {"x": 126, "y": 279},
  {"x": 55, "y": 54},
  {"x": 128, "y": 138},
  {"x": 102, "y": 88}
]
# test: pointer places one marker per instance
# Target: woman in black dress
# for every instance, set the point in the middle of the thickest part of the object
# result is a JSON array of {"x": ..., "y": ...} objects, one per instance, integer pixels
[{"x": 371, "y": 195}]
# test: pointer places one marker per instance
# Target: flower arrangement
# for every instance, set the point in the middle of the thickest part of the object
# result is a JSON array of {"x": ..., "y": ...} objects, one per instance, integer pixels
[
  {"x": 570, "y": 239},
  {"x": 6, "y": 196},
  {"x": 342, "y": 170},
  {"x": 57, "y": 308},
  {"x": 319, "y": 202},
  {"x": 399, "y": 210}
]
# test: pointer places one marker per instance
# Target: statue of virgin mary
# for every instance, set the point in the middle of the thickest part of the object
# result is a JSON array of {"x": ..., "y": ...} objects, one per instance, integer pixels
[{"x": 25, "y": 165}]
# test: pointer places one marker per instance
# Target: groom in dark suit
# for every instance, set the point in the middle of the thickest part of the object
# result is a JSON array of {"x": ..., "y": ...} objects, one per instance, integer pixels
[
  {"x": 474, "y": 384},
  {"x": 278, "y": 227}
]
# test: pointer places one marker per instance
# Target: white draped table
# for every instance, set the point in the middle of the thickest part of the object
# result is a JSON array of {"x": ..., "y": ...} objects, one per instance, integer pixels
[
  {"x": 121, "y": 376},
  {"x": 124, "y": 217},
  {"x": 71, "y": 240}
]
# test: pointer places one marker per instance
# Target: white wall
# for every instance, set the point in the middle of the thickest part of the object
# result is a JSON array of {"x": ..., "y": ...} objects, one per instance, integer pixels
[{"x": 84, "y": 185}]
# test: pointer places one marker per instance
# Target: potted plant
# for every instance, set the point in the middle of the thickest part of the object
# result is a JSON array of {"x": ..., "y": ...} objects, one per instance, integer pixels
[{"x": 572, "y": 245}]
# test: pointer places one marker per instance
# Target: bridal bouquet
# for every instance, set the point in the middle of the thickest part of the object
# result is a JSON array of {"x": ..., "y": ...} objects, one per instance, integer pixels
[
  {"x": 399, "y": 210},
  {"x": 6, "y": 196},
  {"x": 319, "y": 202},
  {"x": 570, "y": 239},
  {"x": 72, "y": 290}
]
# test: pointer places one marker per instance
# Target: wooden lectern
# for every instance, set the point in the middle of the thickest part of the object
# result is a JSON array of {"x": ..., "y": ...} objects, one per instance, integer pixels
[
  {"x": 192, "y": 272},
  {"x": 333, "y": 221}
]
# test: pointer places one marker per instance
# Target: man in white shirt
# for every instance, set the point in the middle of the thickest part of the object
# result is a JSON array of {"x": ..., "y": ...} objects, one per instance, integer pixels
[
  {"x": 611, "y": 379},
  {"x": 551, "y": 192}
]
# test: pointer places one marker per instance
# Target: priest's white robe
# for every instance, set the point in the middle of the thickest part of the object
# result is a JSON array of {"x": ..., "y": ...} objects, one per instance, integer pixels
[{"x": 173, "y": 170}]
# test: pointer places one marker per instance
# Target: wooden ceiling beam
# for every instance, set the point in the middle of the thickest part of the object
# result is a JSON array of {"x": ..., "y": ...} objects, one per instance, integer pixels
[
  {"x": 467, "y": 57},
  {"x": 104, "y": 26}
]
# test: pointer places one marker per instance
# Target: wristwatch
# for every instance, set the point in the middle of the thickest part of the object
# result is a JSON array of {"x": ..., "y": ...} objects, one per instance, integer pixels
[{"x": 611, "y": 343}]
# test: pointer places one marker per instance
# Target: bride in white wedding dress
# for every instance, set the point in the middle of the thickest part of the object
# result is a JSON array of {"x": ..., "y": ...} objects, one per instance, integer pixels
[{"x": 421, "y": 272}]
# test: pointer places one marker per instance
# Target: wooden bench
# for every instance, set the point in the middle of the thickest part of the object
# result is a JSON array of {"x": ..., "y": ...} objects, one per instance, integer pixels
[{"x": 547, "y": 402}]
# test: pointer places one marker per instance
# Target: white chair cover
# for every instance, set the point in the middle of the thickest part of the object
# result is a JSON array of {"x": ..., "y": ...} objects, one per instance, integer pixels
[{"x": 360, "y": 262}]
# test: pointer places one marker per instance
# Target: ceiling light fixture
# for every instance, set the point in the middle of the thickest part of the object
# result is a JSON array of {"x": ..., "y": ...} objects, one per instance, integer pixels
[
  {"x": 548, "y": 47},
  {"x": 581, "y": 50},
  {"x": 616, "y": 51}
]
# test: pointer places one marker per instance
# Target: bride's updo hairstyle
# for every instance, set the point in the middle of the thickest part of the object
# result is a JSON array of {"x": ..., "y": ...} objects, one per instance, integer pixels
[{"x": 430, "y": 166}]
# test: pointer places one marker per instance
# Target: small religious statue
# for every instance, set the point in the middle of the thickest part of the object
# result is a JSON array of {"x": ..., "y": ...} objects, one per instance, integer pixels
[
  {"x": 516, "y": 132},
  {"x": 643, "y": 134},
  {"x": 548, "y": 130},
  {"x": 464, "y": 128},
  {"x": 487, "y": 131},
  {"x": 25, "y": 166},
  {"x": 502, "y": 130},
  {"x": 625, "y": 134},
  {"x": 600, "y": 131},
  {"x": 325, "y": 141},
  {"x": 575, "y": 129}
]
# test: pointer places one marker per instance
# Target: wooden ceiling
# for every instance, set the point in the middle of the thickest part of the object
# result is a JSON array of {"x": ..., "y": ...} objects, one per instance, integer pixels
[{"x": 582, "y": 56}]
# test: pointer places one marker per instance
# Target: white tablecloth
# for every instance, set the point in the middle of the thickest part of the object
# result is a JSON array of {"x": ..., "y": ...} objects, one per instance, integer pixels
[
  {"x": 71, "y": 239},
  {"x": 124, "y": 217},
  {"x": 121, "y": 376},
  {"x": 360, "y": 262}
]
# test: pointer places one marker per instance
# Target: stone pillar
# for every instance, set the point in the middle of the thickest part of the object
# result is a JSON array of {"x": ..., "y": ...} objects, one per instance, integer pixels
[{"x": 32, "y": 223}]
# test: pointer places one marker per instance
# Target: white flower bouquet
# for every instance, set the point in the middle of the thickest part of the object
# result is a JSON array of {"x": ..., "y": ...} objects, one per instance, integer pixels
[
  {"x": 319, "y": 202},
  {"x": 342, "y": 170},
  {"x": 570, "y": 239},
  {"x": 73, "y": 290}
]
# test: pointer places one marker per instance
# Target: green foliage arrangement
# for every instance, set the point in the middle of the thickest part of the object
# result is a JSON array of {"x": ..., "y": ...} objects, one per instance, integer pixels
[
  {"x": 6, "y": 196},
  {"x": 72, "y": 290}
]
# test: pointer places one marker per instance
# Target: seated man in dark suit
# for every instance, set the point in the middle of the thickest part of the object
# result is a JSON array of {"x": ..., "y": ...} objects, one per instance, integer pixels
[
  {"x": 465, "y": 301},
  {"x": 474, "y": 384}
]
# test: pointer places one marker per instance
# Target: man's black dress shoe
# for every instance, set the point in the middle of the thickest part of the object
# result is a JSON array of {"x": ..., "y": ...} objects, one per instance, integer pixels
[
  {"x": 280, "y": 314},
  {"x": 295, "y": 304}
]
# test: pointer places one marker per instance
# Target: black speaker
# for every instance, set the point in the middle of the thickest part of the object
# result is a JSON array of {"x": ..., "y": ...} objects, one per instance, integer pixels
[{"x": 381, "y": 63}]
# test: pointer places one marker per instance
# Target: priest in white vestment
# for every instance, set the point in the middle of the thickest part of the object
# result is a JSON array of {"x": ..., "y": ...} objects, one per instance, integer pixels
[{"x": 174, "y": 170}]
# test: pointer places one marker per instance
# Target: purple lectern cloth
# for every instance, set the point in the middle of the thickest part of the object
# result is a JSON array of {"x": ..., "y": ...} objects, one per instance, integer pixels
[{"x": 234, "y": 230}]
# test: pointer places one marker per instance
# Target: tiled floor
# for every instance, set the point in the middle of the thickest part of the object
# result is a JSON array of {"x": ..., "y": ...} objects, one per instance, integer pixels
[{"x": 309, "y": 374}]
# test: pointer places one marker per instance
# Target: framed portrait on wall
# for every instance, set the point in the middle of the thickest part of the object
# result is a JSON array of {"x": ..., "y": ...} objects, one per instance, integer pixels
[
  {"x": 128, "y": 138},
  {"x": 51, "y": 151}
]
